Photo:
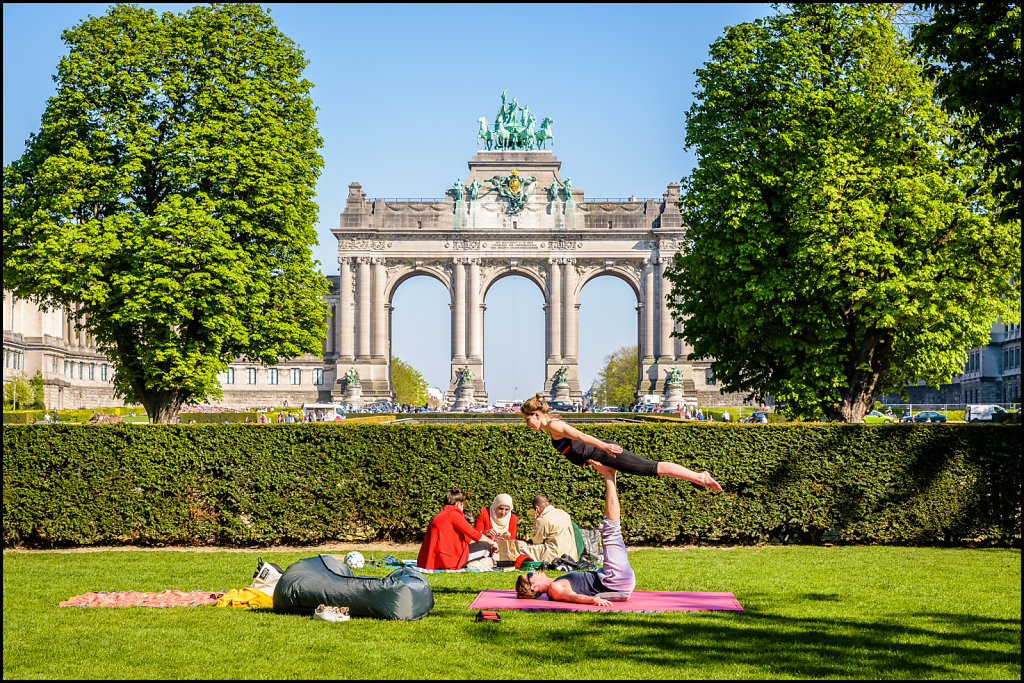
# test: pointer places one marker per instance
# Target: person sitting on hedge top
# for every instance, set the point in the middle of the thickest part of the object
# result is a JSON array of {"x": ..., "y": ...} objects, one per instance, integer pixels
[
  {"x": 580, "y": 448},
  {"x": 615, "y": 580},
  {"x": 447, "y": 543},
  {"x": 498, "y": 520}
]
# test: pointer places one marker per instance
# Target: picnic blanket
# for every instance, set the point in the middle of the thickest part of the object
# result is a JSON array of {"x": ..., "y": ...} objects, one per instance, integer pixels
[
  {"x": 168, "y": 598},
  {"x": 639, "y": 601}
]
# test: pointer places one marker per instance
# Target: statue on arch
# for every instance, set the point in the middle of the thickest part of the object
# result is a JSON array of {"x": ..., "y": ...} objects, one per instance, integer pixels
[
  {"x": 459, "y": 189},
  {"x": 675, "y": 377},
  {"x": 544, "y": 134},
  {"x": 553, "y": 189},
  {"x": 560, "y": 375},
  {"x": 567, "y": 186},
  {"x": 484, "y": 133},
  {"x": 474, "y": 190},
  {"x": 352, "y": 377},
  {"x": 465, "y": 376}
]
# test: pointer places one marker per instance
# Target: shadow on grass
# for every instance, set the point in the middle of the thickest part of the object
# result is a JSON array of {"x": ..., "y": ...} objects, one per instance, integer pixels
[{"x": 934, "y": 645}]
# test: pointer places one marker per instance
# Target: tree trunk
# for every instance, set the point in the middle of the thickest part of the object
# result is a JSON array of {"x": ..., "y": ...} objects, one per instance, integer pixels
[
  {"x": 163, "y": 406},
  {"x": 865, "y": 372}
]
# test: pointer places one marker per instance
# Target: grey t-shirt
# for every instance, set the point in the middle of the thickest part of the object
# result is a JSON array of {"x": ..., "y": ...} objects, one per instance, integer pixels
[{"x": 584, "y": 583}]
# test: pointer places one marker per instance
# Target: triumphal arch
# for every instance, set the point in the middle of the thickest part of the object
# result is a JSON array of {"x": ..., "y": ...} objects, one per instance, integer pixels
[{"x": 514, "y": 213}]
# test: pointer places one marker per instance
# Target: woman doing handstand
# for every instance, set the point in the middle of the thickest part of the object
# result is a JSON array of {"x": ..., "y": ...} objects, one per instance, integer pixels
[{"x": 578, "y": 447}]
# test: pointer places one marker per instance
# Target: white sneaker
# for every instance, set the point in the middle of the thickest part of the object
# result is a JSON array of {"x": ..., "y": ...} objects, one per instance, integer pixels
[{"x": 331, "y": 613}]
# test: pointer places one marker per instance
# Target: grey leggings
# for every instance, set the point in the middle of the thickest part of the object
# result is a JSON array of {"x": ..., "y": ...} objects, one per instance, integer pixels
[{"x": 616, "y": 573}]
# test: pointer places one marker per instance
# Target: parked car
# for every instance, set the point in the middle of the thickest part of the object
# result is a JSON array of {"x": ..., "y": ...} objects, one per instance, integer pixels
[
  {"x": 562, "y": 407},
  {"x": 926, "y": 416},
  {"x": 877, "y": 417},
  {"x": 758, "y": 417}
]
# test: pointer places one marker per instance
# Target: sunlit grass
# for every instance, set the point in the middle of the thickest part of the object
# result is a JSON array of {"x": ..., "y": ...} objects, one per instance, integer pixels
[{"x": 810, "y": 612}]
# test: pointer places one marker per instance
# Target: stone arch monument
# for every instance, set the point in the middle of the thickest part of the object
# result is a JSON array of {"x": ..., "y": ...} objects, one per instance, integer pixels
[{"x": 513, "y": 214}]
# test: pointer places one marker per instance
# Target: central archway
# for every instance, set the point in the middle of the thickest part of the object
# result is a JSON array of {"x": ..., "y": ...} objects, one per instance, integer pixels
[{"x": 514, "y": 313}]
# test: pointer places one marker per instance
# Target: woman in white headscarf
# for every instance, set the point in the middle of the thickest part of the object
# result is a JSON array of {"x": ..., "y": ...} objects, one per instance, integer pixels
[{"x": 497, "y": 521}]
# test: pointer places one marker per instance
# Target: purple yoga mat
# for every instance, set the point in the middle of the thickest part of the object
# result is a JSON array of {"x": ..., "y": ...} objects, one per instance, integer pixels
[{"x": 639, "y": 601}]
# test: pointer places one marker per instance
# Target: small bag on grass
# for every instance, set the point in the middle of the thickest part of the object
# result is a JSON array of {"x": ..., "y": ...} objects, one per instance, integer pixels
[{"x": 266, "y": 576}]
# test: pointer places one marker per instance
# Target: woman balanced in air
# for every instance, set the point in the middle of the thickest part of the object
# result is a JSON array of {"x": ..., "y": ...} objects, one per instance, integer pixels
[{"x": 578, "y": 447}]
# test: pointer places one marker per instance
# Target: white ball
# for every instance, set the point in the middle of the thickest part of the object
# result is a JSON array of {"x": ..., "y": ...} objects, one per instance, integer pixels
[{"x": 355, "y": 559}]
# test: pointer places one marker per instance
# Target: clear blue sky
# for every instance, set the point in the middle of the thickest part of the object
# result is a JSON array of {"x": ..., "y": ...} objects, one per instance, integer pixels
[{"x": 399, "y": 89}]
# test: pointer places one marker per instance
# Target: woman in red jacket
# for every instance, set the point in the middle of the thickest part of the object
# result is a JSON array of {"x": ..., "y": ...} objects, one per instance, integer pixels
[
  {"x": 447, "y": 543},
  {"x": 498, "y": 520}
]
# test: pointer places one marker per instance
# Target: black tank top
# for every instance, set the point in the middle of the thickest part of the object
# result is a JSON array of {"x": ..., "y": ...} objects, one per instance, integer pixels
[
  {"x": 575, "y": 450},
  {"x": 584, "y": 583}
]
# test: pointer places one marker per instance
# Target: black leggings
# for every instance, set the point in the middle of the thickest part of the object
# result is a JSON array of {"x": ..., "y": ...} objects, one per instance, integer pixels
[{"x": 627, "y": 462}]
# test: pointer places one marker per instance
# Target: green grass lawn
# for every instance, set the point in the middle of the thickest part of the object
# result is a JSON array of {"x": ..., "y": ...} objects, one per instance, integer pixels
[{"x": 810, "y": 612}]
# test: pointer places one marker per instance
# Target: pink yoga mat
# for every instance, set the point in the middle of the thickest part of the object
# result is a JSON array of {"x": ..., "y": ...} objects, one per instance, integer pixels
[{"x": 639, "y": 601}]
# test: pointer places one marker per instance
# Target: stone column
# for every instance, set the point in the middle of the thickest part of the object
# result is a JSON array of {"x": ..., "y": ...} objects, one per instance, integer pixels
[
  {"x": 345, "y": 328},
  {"x": 570, "y": 310},
  {"x": 666, "y": 350},
  {"x": 459, "y": 311},
  {"x": 364, "y": 302},
  {"x": 554, "y": 335},
  {"x": 380, "y": 310},
  {"x": 476, "y": 313},
  {"x": 650, "y": 303}
]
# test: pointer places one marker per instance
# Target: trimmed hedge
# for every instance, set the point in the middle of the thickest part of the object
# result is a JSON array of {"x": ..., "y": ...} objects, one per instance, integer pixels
[{"x": 311, "y": 483}]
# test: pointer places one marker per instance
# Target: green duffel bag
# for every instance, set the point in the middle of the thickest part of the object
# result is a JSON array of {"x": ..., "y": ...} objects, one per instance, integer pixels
[{"x": 402, "y": 595}]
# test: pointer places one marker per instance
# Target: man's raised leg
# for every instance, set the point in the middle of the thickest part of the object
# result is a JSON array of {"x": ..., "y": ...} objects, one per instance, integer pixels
[{"x": 616, "y": 574}]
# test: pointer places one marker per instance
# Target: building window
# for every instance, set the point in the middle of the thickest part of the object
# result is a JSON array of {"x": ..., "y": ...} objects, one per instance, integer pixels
[
  {"x": 296, "y": 376},
  {"x": 318, "y": 375},
  {"x": 229, "y": 376},
  {"x": 709, "y": 376},
  {"x": 271, "y": 375},
  {"x": 80, "y": 368},
  {"x": 92, "y": 371},
  {"x": 103, "y": 372},
  {"x": 250, "y": 376}
]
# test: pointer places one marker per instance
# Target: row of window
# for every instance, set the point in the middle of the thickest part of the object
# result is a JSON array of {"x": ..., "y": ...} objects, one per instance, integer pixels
[
  {"x": 14, "y": 359},
  {"x": 1011, "y": 357},
  {"x": 228, "y": 376},
  {"x": 70, "y": 366}
]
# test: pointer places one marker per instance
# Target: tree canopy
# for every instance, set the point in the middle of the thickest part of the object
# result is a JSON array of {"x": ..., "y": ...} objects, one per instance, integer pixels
[
  {"x": 975, "y": 56},
  {"x": 617, "y": 382},
  {"x": 837, "y": 246},
  {"x": 168, "y": 199},
  {"x": 407, "y": 383}
]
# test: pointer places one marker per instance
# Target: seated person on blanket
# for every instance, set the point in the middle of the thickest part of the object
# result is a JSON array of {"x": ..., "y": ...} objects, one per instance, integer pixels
[
  {"x": 552, "y": 533},
  {"x": 615, "y": 580},
  {"x": 580, "y": 448},
  {"x": 498, "y": 520},
  {"x": 450, "y": 542}
]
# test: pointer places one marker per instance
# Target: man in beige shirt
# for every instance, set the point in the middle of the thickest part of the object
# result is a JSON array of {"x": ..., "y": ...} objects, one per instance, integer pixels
[{"x": 553, "y": 535}]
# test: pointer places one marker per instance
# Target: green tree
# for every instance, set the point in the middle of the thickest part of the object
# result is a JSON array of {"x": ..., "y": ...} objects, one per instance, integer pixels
[
  {"x": 617, "y": 382},
  {"x": 169, "y": 193},
  {"x": 837, "y": 247},
  {"x": 17, "y": 393},
  {"x": 407, "y": 383},
  {"x": 975, "y": 56}
]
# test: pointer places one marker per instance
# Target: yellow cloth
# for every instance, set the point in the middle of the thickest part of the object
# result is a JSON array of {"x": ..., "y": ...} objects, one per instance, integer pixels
[
  {"x": 245, "y": 597},
  {"x": 552, "y": 536}
]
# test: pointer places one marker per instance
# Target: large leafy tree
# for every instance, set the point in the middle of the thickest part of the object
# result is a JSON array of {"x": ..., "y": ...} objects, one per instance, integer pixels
[
  {"x": 617, "y": 382},
  {"x": 837, "y": 247},
  {"x": 168, "y": 199},
  {"x": 407, "y": 383},
  {"x": 975, "y": 56}
]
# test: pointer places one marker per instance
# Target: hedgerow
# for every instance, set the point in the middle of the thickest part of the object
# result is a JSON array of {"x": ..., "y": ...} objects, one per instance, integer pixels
[{"x": 311, "y": 483}]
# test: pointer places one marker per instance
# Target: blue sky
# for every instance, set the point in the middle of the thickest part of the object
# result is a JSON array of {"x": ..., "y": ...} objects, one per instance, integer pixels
[{"x": 399, "y": 89}]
